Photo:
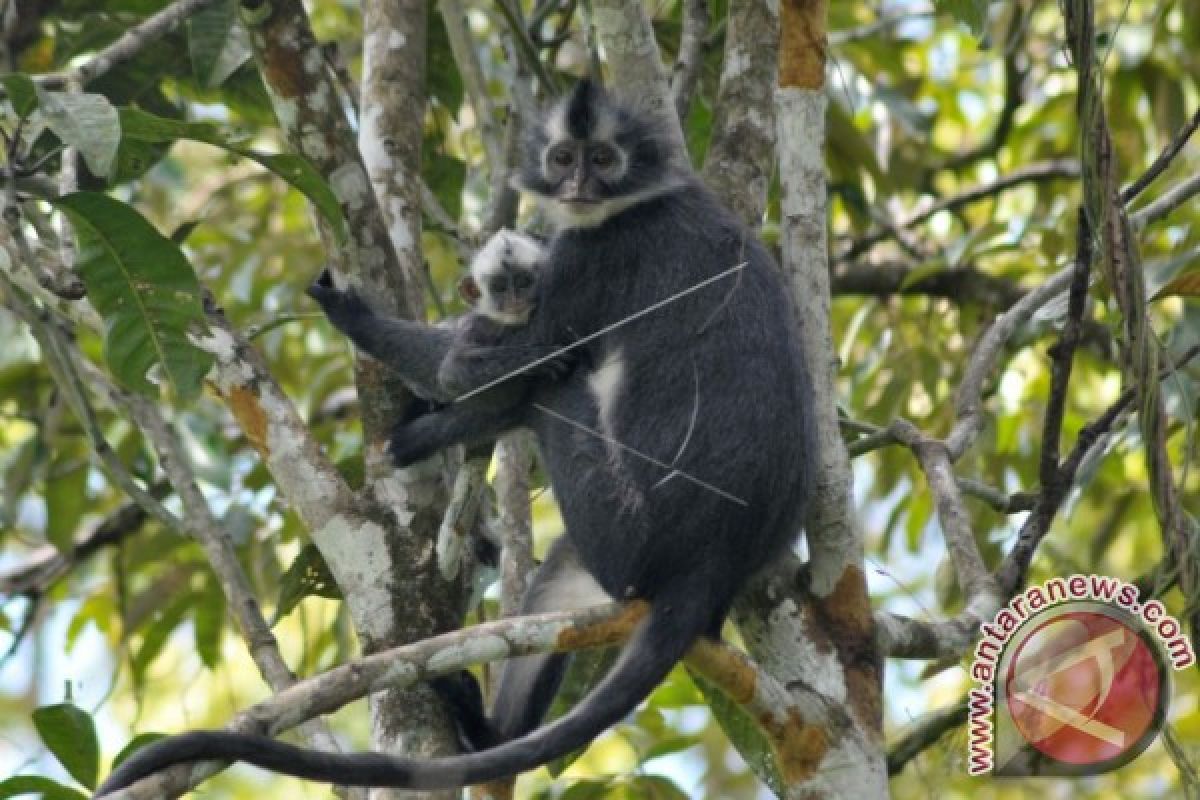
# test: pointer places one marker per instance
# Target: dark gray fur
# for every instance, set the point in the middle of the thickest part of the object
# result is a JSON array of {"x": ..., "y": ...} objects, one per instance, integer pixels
[{"x": 638, "y": 531}]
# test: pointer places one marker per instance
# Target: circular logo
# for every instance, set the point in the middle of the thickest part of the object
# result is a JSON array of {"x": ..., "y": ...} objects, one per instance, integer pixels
[{"x": 1086, "y": 687}]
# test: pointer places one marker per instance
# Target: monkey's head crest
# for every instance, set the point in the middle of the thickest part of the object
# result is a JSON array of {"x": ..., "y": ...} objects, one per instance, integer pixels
[{"x": 593, "y": 157}]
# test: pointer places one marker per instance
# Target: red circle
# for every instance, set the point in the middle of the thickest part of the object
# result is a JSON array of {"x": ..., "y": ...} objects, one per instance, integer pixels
[{"x": 1083, "y": 688}]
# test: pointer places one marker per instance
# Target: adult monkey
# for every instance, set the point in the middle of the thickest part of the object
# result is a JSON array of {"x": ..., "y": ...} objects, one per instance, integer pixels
[{"x": 712, "y": 384}]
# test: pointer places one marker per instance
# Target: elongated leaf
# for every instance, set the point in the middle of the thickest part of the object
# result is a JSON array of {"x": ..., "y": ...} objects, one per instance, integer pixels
[
  {"x": 69, "y": 733},
  {"x": 66, "y": 500},
  {"x": 209, "y": 617},
  {"x": 87, "y": 122},
  {"x": 37, "y": 785},
  {"x": 308, "y": 575},
  {"x": 972, "y": 13},
  {"x": 1186, "y": 285},
  {"x": 139, "y": 126},
  {"x": 158, "y": 631},
  {"x": 135, "y": 744},
  {"x": 743, "y": 732},
  {"x": 216, "y": 43},
  {"x": 144, "y": 287},
  {"x": 22, "y": 94}
]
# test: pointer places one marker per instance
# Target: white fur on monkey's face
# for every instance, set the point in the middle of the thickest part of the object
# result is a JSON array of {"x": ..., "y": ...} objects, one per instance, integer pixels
[{"x": 506, "y": 255}]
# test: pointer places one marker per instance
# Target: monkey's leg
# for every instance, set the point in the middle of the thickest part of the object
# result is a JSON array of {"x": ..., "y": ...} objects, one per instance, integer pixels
[{"x": 528, "y": 684}]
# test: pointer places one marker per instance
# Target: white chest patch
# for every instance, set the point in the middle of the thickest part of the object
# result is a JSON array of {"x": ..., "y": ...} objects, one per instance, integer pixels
[{"x": 606, "y": 383}]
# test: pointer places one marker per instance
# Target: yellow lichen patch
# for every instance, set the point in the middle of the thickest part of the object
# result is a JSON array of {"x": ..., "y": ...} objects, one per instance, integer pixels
[
  {"x": 847, "y": 605},
  {"x": 799, "y": 747},
  {"x": 802, "y": 44},
  {"x": 726, "y": 668},
  {"x": 249, "y": 414},
  {"x": 496, "y": 790},
  {"x": 609, "y": 632},
  {"x": 847, "y": 615}
]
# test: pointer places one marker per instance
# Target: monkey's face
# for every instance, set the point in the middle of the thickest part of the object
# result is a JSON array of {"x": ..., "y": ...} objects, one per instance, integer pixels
[
  {"x": 505, "y": 294},
  {"x": 508, "y": 295},
  {"x": 592, "y": 158}
]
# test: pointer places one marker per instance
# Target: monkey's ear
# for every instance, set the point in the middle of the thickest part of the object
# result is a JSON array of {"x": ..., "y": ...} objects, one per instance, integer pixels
[{"x": 468, "y": 290}]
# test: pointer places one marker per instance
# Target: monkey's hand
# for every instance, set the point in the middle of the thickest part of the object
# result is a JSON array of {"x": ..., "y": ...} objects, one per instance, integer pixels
[{"x": 342, "y": 307}]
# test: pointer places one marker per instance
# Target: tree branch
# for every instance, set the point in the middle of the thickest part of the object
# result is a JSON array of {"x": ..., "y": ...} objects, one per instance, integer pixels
[
  {"x": 741, "y": 150},
  {"x": 1170, "y": 200},
  {"x": 130, "y": 43},
  {"x": 925, "y": 733},
  {"x": 1034, "y": 173},
  {"x": 624, "y": 31},
  {"x": 1173, "y": 148},
  {"x": 404, "y": 666},
  {"x": 690, "y": 60}
]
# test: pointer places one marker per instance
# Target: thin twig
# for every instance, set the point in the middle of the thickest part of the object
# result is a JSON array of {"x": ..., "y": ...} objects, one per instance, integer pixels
[
  {"x": 1164, "y": 159},
  {"x": 1170, "y": 200},
  {"x": 1033, "y": 173}
]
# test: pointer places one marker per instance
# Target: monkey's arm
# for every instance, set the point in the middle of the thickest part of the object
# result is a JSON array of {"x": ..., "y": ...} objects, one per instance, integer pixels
[
  {"x": 516, "y": 352},
  {"x": 477, "y": 420},
  {"x": 413, "y": 349}
]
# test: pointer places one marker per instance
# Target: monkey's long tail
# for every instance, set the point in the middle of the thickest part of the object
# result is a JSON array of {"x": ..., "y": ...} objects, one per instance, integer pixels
[{"x": 662, "y": 640}]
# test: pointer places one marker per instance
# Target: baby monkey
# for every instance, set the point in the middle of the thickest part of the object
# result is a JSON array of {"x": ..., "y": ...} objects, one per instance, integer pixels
[{"x": 501, "y": 288}]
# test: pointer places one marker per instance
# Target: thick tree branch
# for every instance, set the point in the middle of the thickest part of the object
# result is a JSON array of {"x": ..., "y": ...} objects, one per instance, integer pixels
[
  {"x": 686, "y": 72},
  {"x": 401, "y": 667},
  {"x": 741, "y": 151},
  {"x": 623, "y": 30},
  {"x": 829, "y": 650}
]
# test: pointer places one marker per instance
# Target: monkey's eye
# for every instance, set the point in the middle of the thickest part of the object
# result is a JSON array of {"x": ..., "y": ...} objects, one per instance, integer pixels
[
  {"x": 498, "y": 284},
  {"x": 522, "y": 280},
  {"x": 562, "y": 157},
  {"x": 603, "y": 157}
]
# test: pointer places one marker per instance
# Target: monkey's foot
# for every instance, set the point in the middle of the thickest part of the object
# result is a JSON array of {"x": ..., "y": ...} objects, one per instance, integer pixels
[{"x": 405, "y": 448}]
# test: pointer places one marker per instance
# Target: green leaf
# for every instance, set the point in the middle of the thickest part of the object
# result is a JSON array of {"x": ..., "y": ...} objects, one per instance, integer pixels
[
  {"x": 21, "y": 91},
  {"x": 743, "y": 732},
  {"x": 69, "y": 732},
  {"x": 972, "y": 13},
  {"x": 139, "y": 126},
  {"x": 209, "y": 619},
  {"x": 584, "y": 671},
  {"x": 656, "y": 787},
  {"x": 145, "y": 289},
  {"x": 66, "y": 500},
  {"x": 135, "y": 744},
  {"x": 444, "y": 79},
  {"x": 35, "y": 784},
  {"x": 87, "y": 122},
  {"x": 445, "y": 176},
  {"x": 157, "y": 633},
  {"x": 217, "y": 44},
  {"x": 308, "y": 575}
]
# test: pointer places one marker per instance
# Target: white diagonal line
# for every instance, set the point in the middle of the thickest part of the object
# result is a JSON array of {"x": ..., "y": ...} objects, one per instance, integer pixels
[
  {"x": 1069, "y": 716},
  {"x": 601, "y": 332},
  {"x": 1092, "y": 648},
  {"x": 639, "y": 454}
]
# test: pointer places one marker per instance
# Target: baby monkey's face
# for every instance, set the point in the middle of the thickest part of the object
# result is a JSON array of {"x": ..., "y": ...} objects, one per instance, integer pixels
[{"x": 508, "y": 295}]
